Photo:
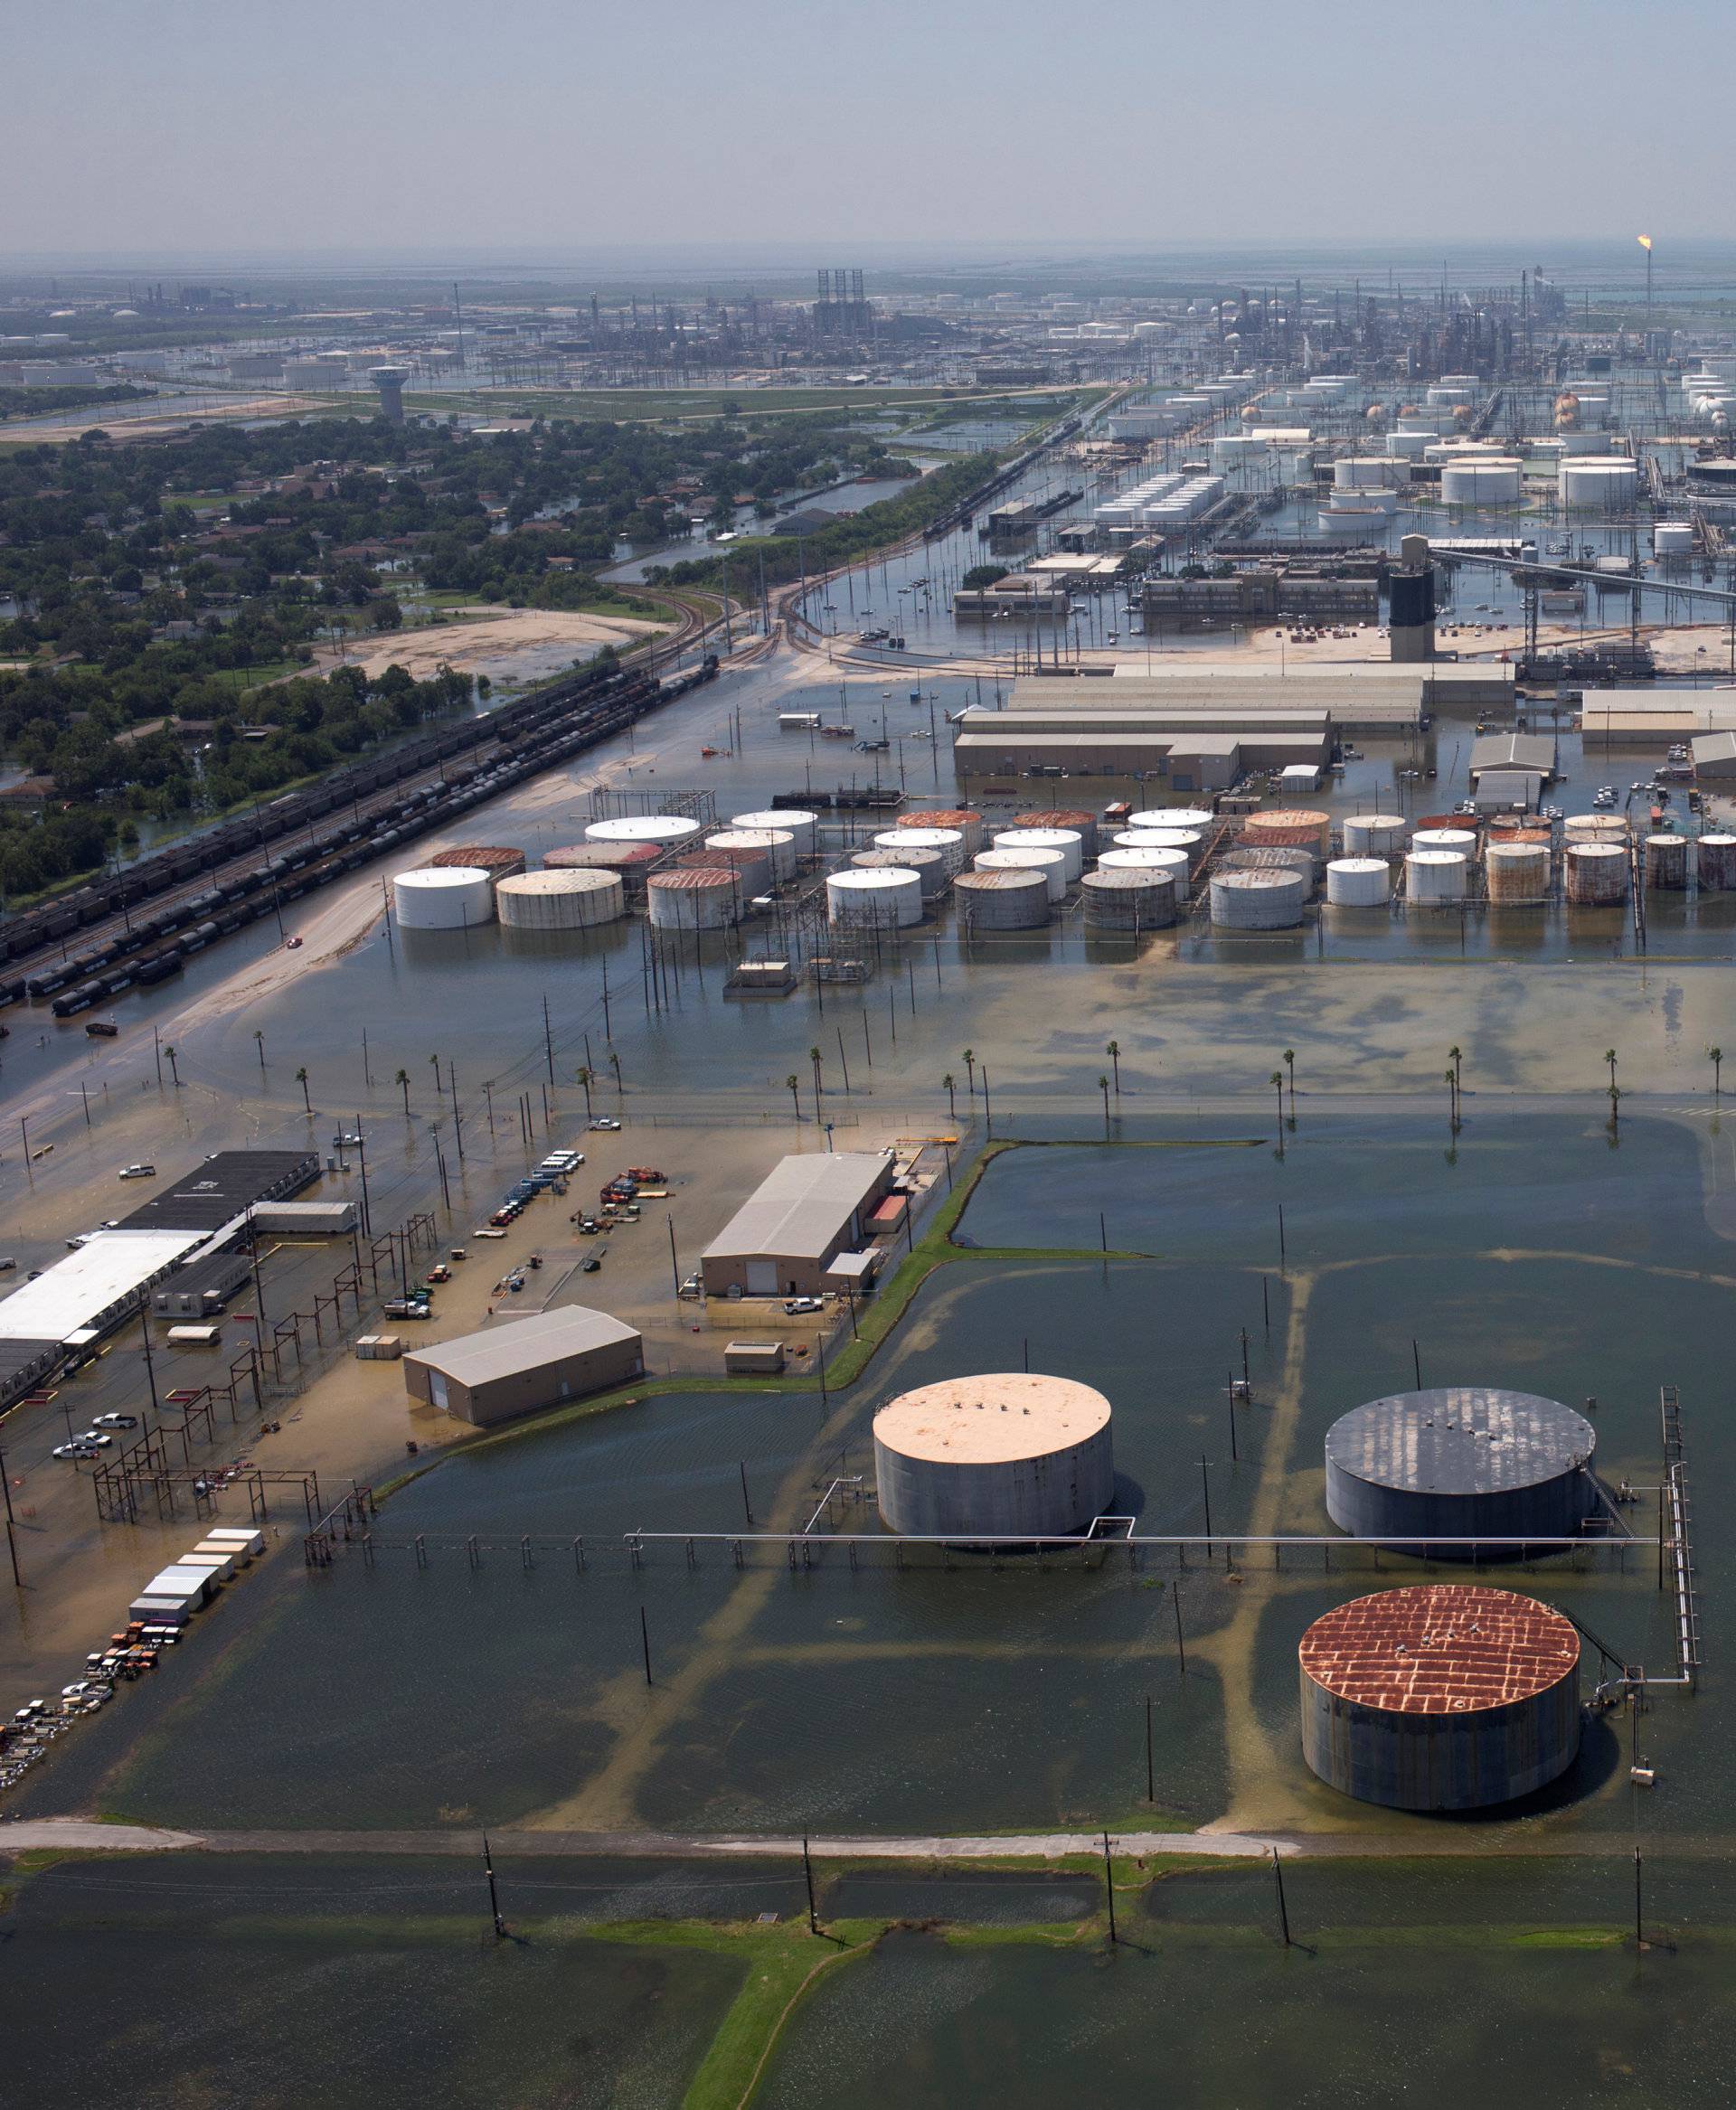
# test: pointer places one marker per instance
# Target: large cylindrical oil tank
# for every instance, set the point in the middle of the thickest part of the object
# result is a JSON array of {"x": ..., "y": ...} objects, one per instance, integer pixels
[
  {"x": 446, "y": 897},
  {"x": 1006, "y": 1456},
  {"x": 967, "y": 820},
  {"x": 1595, "y": 873},
  {"x": 1462, "y": 1461},
  {"x": 1515, "y": 872},
  {"x": 1359, "y": 882},
  {"x": 874, "y": 900},
  {"x": 1479, "y": 482},
  {"x": 667, "y": 830},
  {"x": 1067, "y": 841},
  {"x": 600, "y": 856},
  {"x": 1290, "y": 826},
  {"x": 1259, "y": 900},
  {"x": 500, "y": 861},
  {"x": 1188, "y": 840},
  {"x": 792, "y": 821},
  {"x": 777, "y": 846},
  {"x": 1375, "y": 835},
  {"x": 1127, "y": 900},
  {"x": 1588, "y": 483},
  {"x": 929, "y": 866},
  {"x": 1435, "y": 875},
  {"x": 1595, "y": 828},
  {"x": 1049, "y": 863},
  {"x": 1408, "y": 446},
  {"x": 1440, "y": 1696},
  {"x": 1716, "y": 860},
  {"x": 695, "y": 897},
  {"x": 753, "y": 868},
  {"x": 1461, "y": 840},
  {"x": 1083, "y": 822},
  {"x": 1368, "y": 472},
  {"x": 1276, "y": 857},
  {"x": 1193, "y": 817},
  {"x": 1672, "y": 537},
  {"x": 948, "y": 844},
  {"x": 1001, "y": 900},
  {"x": 1173, "y": 863},
  {"x": 1667, "y": 863},
  {"x": 560, "y": 900}
]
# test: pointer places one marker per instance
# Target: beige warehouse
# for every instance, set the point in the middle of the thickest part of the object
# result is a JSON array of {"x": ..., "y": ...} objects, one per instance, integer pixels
[
  {"x": 520, "y": 1365},
  {"x": 783, "y": 1238}
]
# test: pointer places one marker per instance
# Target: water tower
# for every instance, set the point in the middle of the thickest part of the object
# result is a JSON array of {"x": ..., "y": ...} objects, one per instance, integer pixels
[{"x": 390, "y": 381}]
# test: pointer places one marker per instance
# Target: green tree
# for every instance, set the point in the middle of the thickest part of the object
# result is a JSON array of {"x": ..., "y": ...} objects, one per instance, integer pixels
[
  {"x": 301, "y": 1078},
  {"x": 403, "y": 1081}
]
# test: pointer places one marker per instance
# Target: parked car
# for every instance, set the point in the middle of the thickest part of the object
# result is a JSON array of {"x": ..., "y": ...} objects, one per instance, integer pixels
[
  {"x": 138, "y": 1171},
  {"x": 75, "y": 1450},
  {"x": 115, "y": 1421},
  {"x": 603, "y": 1121},
  {"x": 799, "y": 1307}
]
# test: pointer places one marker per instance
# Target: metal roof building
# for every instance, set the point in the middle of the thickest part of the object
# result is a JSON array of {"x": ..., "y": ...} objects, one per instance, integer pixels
[
  {"x": 1531, "y": 753},
  {"x": 783, "y": 1238},
  {"x": 520, "y": 1365},
  {"x": 1714, "y": 754}
]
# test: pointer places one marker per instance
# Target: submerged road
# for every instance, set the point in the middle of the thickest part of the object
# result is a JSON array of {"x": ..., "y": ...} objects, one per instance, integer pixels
[{"x": 86, "y": 1835}]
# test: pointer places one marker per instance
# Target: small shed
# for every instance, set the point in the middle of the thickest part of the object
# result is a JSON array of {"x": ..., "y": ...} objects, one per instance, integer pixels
[{"x": 754, "y": 1358}]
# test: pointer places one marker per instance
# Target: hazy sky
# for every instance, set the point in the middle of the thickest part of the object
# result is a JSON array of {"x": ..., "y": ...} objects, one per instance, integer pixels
[{"x": 376, "y": 125}]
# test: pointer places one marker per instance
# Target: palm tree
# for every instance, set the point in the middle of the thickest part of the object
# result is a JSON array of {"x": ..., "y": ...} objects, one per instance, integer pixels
[
  {"x": 1290, "y": 1064},
  {"x": 258, "y": 1041},
  {"x": 814, "y": 1057},
  {"x": 1456, "y": 1058},
  {"x": 1114, "y": 1053},
  {"x": 301, "y": 1078},
  {"x": 584, "y": 1079},
  {"x": 1277, "y": 1086},
  {"x": 1716, "y": 1056},
  {"x": 795, "y": 1091},
  {"x": 952, "y": 1099},
  {"x": 1452, "y": 1096},
  {"x": 174, "y": 1072},
  {"x": 1610, "y": 1057},
  {"x": 1614, "y": 1106},
  {"x": 1103, "y": 1085},
  {"x": 970, "y": 1071},
  {"x": 403, "y": 1081}
]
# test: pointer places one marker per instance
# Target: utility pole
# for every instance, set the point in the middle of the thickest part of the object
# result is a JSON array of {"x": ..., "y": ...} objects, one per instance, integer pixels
[
  {"x": 808, "y": 1874},
  {"x": 1108, "y": 1887},
  {"x": 494, "y": 1895}
]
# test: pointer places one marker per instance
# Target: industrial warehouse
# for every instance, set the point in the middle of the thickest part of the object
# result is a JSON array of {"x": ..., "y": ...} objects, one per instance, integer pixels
[
  {"x": 784, "y": 1239},
  {"x": 520, "y": 1365}
]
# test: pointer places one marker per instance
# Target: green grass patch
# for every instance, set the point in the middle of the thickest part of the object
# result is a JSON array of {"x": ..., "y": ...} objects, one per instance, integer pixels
[{"x": 256, "y": 677}]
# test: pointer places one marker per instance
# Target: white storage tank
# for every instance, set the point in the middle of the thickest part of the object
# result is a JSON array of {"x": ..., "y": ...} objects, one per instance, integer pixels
[
  {"x": 889, "y": 900},
  {"x": 1666, "y": 862},
  {"x": 1193, "y": 817},
  {"x": 948, "y": 844},
  {"x": 1259, "y": 900},
  {"x": 1127, "y": 900},
  {"x": 1188, "y": 840},
  {"x": 1006, "y": 1456},
  {"x": 1049, "y": 863},
  {"x": 1375, "y": 835},
  {"x": 1001, "y": 900},
  {"x": 1461, "y": 840},
  {"x": 1067, "y": 841},
  {"x": 929, "y": 866},
  {"x": 445, "y": 897},
  {"x": 665, "y": 830},
  {"x": 1138, "y": 857},
  {"x": 802, "y": 827},
  {"x": 966, "y": 819},
  {"x": 1594, "y": 482},
  {"x": 560, "y": 900},
  {"x": 704, "y": 898},
  {"x": 1435, "y": 875},
  {"x": 751, "y": 866},
  {"x": 1408, "y": 446},
  {"x": 1716, "y": 860},
  {"x": 1595, "y": 874},
  {"x": 775, "y": 845},
  {"x": 1480, "y": 483},
  {"x": 1358, "y": 882},
  {"x": 1595, "y": 828},
  {"x": 1672, "y": 537},
  {"x": 1515, "y": 872},
  {"x": 1370, "y": 472}
]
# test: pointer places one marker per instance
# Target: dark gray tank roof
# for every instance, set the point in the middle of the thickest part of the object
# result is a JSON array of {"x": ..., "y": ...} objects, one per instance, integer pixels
[{"x": 1460, "y": 1440}]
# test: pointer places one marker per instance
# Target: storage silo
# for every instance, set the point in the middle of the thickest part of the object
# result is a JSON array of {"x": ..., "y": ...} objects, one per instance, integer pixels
[
  {"x": 1595, "y": 874},
  {"x": 560, "y": 900},
  {"x": 1193, "y": 817},
  {"x": 876, "y": 899},
  {"x": 792, "y": 821},
  {"x": 929, "y": 865},
  {"x": 775, "y": 845},
  {"x": 666, "y": 831},
  {"x": 1078, "y": 818},
  {"x": 1067, "y": 841},
  {"x": 1440, "y": 1696},
  {"x": 1464, "y": 1460},
  {"x": 1515, "y": 872},
  {"x": 446, "y": 897},
  {"x": 1259, "y": 900},
  {"x": 1359, "y": 882},
  {"x": 705, "y": 897},
  {"x": 1715, "y": 859},
  {"x": 1484, "y": 482},
  {"x": 947, "y": 843},
  {"x": 1461, "y": 841},
  {"x": 1375, "y": 835},
  {"x": 1667, "y": 863},
  {"x": 1006, "y": 1456},
  {"x": 1173, "y": 863},
  {"x": 1290, "y": 827},
  {"x": 1435, "y": 875},
  {"x": 1001, "y": 900},
  {"x": 1049, "y": 863},
  {"x": 964, "y": 819},
  {"x": 1127, "y": 900}
]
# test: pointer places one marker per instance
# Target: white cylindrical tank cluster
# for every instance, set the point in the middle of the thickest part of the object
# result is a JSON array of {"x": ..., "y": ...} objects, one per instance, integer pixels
[
  {"x": 777, "y": 846},
  {"x": 929, "y": 866},
  {"x": 443, "y": 896},
  {"x": 1480, "y": 483},
  {"x": 560, "y": 900},
  {"x": 694, "y": 898},
  {"x": 1001, "y": 900},
  {"x": 889, "y": 900},
  {"x": 1259, "y": 900},
  {"x": 1358, "y": 882},
  {"x": 1435, "y": 875},
  {"x": 1049, "y": 863},
  {"x": 664, "y": 830},
  {"x": 947, "y": 843},
  {"x": 1127, "y": 900},
  {"x": 801, "y": 827},
  {"x": 1006, "y": 1456},
  {"x": 1375, "y": 835},
  {"x": 1070, "y": 843},
  {"x": 1597, "y": 482}
]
